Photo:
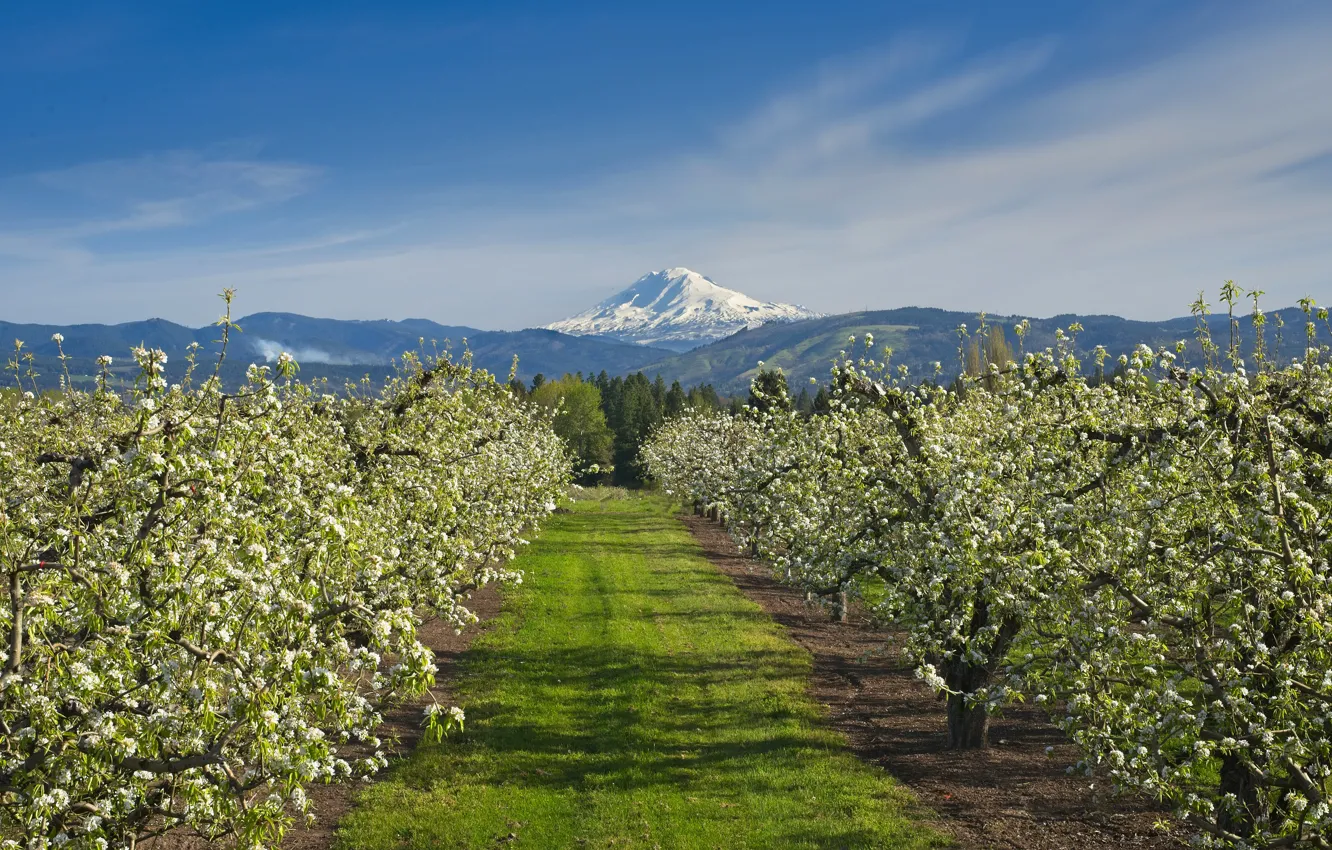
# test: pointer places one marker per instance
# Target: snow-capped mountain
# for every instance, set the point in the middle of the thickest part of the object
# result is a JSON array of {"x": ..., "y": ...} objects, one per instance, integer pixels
[{"x": 677, "y": 309}]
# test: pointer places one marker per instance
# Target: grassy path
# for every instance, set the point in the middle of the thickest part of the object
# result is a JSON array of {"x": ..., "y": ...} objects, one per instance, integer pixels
[{"x": 630, "y": 697}]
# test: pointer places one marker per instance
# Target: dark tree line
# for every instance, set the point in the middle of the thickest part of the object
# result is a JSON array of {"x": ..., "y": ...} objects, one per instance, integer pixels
[
  {"x": 606, "y": 420},
  {"x": 607, "y": 433}
]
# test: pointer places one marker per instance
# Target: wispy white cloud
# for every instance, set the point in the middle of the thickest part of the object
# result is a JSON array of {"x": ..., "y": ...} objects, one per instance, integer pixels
[
  {"x": 153, "y": 192},
  {"x": 1125, "y": 191},
  {"x": 834, "y": 87},
  {"x": 853, "y": 106},
  {"x": 901, "y": 176}
]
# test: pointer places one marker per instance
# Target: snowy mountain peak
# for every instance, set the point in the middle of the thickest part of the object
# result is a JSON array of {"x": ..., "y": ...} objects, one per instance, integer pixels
[{"x": 677, "y": 308}]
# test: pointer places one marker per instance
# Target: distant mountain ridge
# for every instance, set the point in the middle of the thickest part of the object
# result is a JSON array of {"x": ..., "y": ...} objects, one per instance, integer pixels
[
  {"x": 334, "y": 348},
  {"x": 343, "y": 350},
  {"x": 678, "y": 309},
  {"x": 341, "y": 341},
  {"x": 922, "y": 336},
  {"x": 334, "y": 341}
]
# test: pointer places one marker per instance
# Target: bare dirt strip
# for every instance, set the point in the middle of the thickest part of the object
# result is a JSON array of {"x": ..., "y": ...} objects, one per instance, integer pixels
[{"x": 1012, "y": 795}]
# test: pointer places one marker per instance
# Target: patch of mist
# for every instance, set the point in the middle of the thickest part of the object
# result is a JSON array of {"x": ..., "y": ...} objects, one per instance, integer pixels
[{"x": 271, "y": 349}]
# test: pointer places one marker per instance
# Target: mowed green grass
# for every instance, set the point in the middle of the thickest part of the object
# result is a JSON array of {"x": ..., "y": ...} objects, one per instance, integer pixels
[{"x": 630, "y": 697}]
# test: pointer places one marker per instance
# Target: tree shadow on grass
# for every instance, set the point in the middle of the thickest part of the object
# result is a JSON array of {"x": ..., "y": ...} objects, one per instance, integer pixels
[{"x": 629, "y": 720}]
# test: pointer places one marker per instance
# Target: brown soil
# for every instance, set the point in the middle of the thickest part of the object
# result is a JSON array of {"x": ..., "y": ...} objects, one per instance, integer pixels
[
  {"x": 1011, "y": 795},
  {"x": 402, "y": 727}
]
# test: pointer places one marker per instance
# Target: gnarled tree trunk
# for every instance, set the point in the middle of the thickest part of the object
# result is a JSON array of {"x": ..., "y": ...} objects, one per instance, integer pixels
[
  {"x": 839, "y": 608},
  {"x": 1240, "y": 779},
  {"x": 968, "y": 725}
]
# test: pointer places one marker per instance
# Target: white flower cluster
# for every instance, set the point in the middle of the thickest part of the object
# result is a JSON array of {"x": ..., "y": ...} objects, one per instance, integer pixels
[
  {"x": 199, "y": 585},
  {"x": 1148, "y": 555}
]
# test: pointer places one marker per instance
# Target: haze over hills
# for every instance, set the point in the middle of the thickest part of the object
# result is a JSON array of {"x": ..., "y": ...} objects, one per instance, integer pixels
[{"x": 677, "y": 309}]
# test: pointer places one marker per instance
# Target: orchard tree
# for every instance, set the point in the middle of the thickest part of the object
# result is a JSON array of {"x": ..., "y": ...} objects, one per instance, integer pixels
[
  {"x": 1146, "y": 553},
  {"x": 1199, "y": 669},
  {"x": 209, "y": 593}
]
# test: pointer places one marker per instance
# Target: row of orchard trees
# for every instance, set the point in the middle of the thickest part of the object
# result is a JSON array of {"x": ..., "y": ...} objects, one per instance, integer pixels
[
  {"x": 1147, "y": 555},
  {"x": 209, "y": 595}
]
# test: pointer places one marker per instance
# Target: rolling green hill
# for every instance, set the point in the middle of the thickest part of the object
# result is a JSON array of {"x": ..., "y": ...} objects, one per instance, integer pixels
[{"x": 920, "y": 336}]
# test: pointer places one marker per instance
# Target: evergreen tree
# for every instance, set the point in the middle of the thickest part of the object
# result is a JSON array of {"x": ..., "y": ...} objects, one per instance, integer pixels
[
  {"x": 804, "y": 402},
  {"x": 822, "y": 402},
  {"x": 639, "y": 415},
  {"x": 633, "y": 407},
  {"x": 676, "y": 401},
  {"x": 769, "y": 391},
  {"x": 704, "y": 397},
  {"x": 710, "y": 397},
  {"x": 612, "y": 401}
]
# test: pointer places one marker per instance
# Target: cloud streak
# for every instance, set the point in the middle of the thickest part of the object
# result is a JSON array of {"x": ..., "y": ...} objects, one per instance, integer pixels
[
  {"x": 1124, "y": 192},
  {"x": 900, "y": 176},
  {"x": 150, "y": 193}
]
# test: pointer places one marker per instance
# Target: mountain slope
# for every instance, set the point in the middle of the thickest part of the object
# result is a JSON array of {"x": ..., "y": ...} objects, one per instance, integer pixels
[
  {"x": 555, "y": 354},
  {"x": 325, "y": 348},
  {"x": 262, "y": 336},
  {"x": 339, "y": 342},
  {"x": 921, "y": 336},
  {"x": 677, "y": 309},
  {"x": 94, "y": 340},
  {"x": 349, "y": 350}
]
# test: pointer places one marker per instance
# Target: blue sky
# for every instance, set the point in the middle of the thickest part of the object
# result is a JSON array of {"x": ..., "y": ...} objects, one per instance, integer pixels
[{"x": 505, "y": 164}]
